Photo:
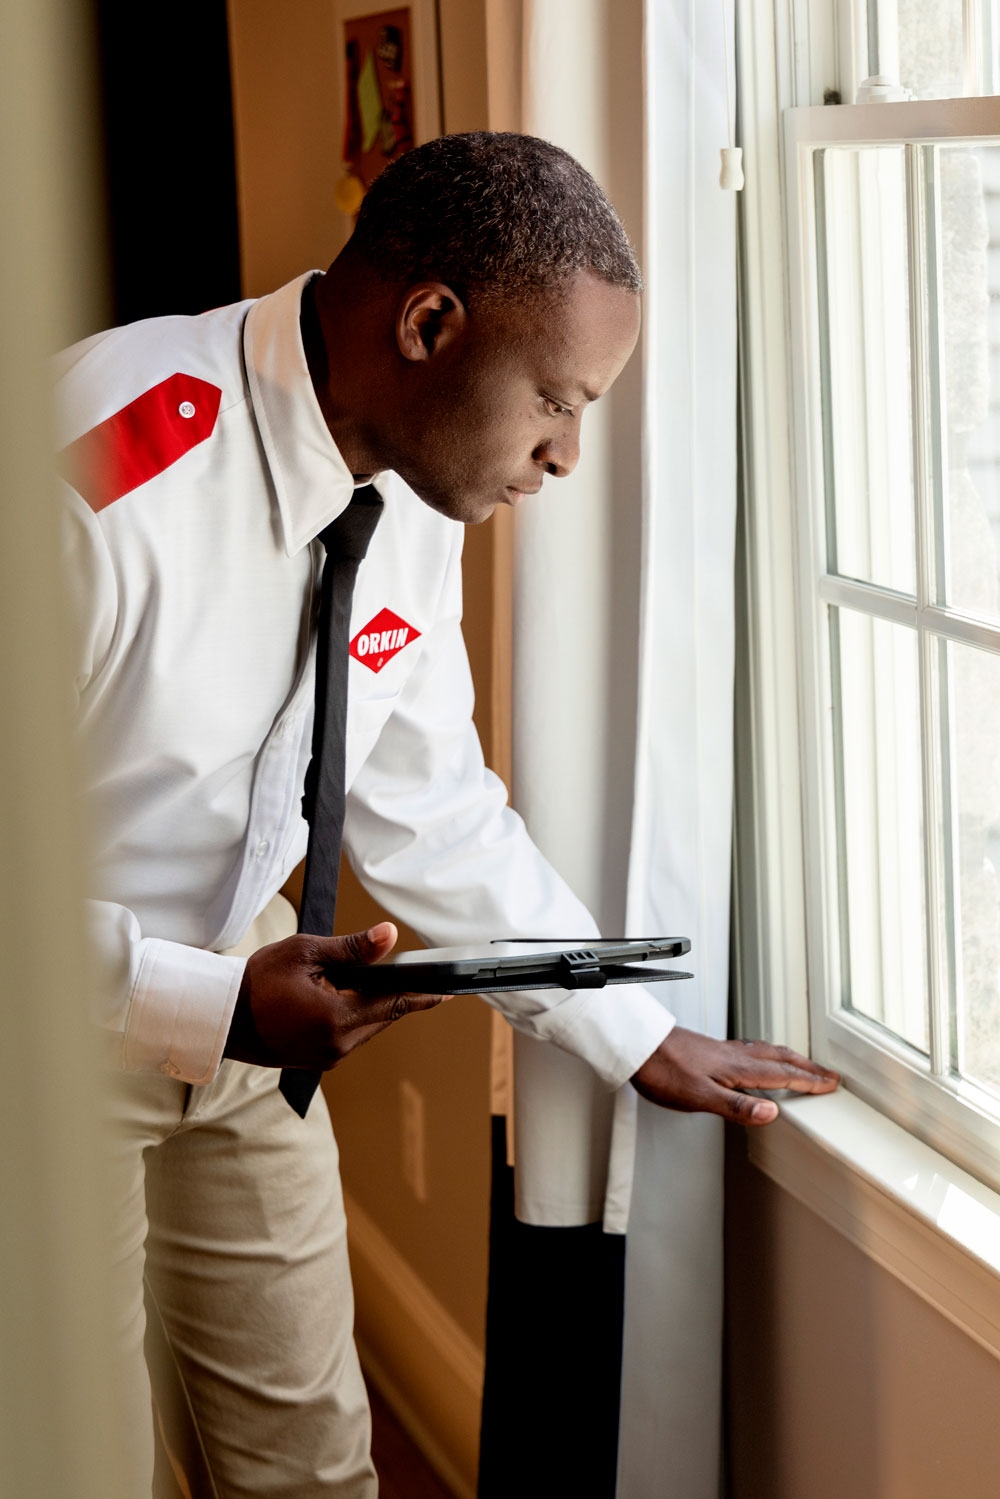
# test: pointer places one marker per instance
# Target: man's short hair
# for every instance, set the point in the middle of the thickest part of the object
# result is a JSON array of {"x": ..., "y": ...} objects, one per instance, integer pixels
[{"x": 492, "y": 214}]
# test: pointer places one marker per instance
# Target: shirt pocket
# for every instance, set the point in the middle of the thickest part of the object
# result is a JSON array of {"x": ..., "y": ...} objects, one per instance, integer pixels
[
  {"x": 366, "y": 718},
  {"x": 365, "y": 722}
]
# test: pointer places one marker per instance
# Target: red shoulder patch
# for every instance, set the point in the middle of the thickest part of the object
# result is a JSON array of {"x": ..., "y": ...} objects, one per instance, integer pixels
[{"x": 142, "y": 439}]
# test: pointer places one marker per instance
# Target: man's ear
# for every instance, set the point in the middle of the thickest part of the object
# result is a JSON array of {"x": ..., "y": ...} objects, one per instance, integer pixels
[{"x": 429, "y": 318}]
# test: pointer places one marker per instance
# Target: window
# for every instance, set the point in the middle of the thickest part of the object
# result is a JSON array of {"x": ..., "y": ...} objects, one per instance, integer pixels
[
  {"x": 935, "y": 49},
  {"x": 900, "y": 593},
  {"x": 892, "y": 294}
]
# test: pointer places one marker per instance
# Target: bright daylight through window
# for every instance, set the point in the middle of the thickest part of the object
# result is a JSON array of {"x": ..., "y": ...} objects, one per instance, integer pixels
[{"x": 894, "y": 238}]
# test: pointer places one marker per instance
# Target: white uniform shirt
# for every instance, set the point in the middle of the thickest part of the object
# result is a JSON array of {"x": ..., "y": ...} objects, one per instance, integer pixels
[{"x": 202, "y": 471}]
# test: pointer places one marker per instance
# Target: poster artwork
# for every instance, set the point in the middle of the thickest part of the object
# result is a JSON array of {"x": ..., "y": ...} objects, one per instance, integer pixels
[{"x": 378, "y": 122}]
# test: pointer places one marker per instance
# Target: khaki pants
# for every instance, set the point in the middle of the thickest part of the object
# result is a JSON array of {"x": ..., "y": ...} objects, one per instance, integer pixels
[{"x": 230, "y": 1210}]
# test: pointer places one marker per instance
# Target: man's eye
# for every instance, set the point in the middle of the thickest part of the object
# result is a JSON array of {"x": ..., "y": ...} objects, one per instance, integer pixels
[{"x": 554, "y": 408}]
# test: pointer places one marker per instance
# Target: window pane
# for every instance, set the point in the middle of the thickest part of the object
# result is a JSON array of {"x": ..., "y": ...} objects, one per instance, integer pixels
[
  {"x": 865, "y": 349},
  {"x": 969, "y": 196},
  {"x": 880, "y": 813},
  {"x": 931, "y": 48},
  {"x": 974, "y": 678}
]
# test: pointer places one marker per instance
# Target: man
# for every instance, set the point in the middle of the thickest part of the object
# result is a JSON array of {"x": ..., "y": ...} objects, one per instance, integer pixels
[{"x": 488, "y": 295}]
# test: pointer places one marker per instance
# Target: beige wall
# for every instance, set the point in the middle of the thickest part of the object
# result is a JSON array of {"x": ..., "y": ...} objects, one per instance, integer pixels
[
  {"x": 842, "y": 1383},
  {"x": 285, "y": 63},
  {"x": 286, "y": 82},
  {"x": 464, "y": 82}
]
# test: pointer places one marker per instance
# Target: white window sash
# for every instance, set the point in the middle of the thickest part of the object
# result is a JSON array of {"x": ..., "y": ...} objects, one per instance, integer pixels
[{"x": 949, "y": 1113}]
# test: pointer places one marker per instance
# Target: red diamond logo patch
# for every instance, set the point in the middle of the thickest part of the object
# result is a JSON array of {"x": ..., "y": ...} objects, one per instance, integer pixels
[{"x": 381, "y": 638}]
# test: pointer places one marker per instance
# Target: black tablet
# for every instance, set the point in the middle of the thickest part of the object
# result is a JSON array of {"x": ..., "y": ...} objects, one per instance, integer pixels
[{"x": 493, "y": 967}]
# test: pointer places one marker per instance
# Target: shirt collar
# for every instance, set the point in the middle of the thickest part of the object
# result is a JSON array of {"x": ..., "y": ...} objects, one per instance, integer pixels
[{"x": 312, "y": 482}]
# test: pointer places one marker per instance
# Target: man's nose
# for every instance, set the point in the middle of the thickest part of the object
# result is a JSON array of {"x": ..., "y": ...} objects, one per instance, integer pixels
[{"x": 560, "y": 455}]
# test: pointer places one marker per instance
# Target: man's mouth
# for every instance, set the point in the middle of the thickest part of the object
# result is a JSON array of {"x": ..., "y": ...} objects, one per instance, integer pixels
[{"x": 519, "y": 494}]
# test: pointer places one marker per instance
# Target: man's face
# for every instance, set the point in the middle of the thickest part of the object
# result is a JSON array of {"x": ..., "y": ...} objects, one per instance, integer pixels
[{"x": 500, "y": 406}]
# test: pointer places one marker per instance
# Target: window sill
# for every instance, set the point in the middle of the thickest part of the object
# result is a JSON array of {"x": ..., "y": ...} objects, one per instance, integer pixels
[{"x": 911, "y": 1210}]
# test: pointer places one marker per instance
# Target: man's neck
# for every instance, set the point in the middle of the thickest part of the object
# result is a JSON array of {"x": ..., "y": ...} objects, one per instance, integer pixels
[{"x": 320, "y": 326}]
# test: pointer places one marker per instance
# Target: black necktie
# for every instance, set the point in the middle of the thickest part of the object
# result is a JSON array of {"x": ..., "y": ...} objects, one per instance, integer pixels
[{"x": 346, "y": 541}]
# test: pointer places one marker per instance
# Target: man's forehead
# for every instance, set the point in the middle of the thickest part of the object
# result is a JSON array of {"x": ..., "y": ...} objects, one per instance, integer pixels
[
  {"x": 596, "y": 325},
  {"x": 573, "y": 343}
]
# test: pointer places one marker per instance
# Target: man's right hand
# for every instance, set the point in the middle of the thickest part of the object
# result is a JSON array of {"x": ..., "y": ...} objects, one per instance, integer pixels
[
  {"x": 697, "y": 1074},
  {"x": 288, "y": 1014}
]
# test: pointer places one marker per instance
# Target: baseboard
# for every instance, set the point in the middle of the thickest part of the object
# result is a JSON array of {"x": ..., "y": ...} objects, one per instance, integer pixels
[{"x": 427, "y": 1367}]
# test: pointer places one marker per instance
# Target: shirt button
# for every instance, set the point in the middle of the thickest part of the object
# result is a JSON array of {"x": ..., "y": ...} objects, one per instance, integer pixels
[
  {"x": 186, "y": 408},
  {"x": 262, "y": 848}
]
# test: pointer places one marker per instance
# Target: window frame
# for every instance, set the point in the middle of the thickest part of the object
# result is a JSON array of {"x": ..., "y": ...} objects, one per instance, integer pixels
[{"x": 952, "y": 1115}]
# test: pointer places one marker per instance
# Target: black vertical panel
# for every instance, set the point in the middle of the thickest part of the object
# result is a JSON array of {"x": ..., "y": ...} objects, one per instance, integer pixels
[
  {"x": 169, "y": 159},
  {"x": 553, "y": 1354}
]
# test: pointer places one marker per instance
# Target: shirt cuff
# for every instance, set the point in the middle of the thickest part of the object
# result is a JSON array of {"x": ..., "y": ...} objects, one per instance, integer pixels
[
  {"x": 180, "y": 1012},
  {"x": 614, "y": 1029}
]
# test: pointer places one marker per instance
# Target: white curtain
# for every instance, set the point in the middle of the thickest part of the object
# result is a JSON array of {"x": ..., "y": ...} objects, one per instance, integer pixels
[
  {"x": 679, "y": 873},
  {"x": 623, "y": 724},
  {"x": 576, "y": 620}
]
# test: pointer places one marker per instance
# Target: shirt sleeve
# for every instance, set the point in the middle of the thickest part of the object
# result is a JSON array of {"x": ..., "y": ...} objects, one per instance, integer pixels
[
  {"x": 166, "y": 1006},
  {"x": 430, "y": 835}
]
